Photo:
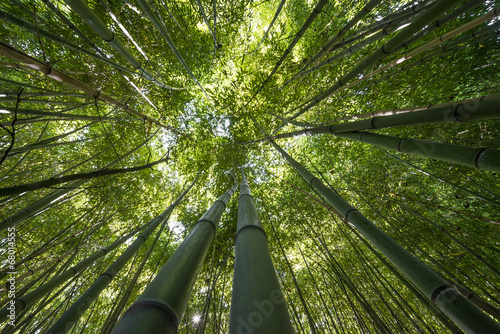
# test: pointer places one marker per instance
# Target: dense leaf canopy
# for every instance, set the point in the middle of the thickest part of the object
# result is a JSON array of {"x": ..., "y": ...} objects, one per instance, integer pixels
[{"x": 223, "y": 77}]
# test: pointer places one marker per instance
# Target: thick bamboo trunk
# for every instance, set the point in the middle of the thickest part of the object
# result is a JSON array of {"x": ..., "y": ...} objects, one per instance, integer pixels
[
  {"x": 480, "y": 158},
  {"x": 257, "y": 303},
  {"x": 465, "y": 314},
  {"x": 161, "y": 306},
  {"x": 78, "y": 308}
]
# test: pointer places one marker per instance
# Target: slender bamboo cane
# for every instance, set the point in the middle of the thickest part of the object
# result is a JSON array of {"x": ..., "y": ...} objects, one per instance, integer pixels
[
  {"x": 488, "y": 16},
  {"x": 257, "y": 303},
  {"x": 336, "y": 39},
  {"x": 54, "y": 196},
  {"x": 205, "y": 19},
  {"x": 388, "y": 48},
  {"x": 26, "y": 301},
  {"x": 48, "y": 70},
  {"x": 73, "y": 314},
  {"x": 162, "y": 305},
  {"x": 163, "y": 31},
  {"x": 42, "y": 143},
  {"x": 108, "y": 36},
  {"x": 40, "y": 94},
  {"x": 466, "y": 315},
  {"x": 276, "y": 14},
  {"x": 71, "y": 26},
  {"x": 317, "y": 9},
  {"x": 113, "y": 317},
  {"x": 20, "y": 150},
  {"x": 310, "y": 319},
  {"x": 46, "y": 34},
  {"x": 7, "y": 191}
]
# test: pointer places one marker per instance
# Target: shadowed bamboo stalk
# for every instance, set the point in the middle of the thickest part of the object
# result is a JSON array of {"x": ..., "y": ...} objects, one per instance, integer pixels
[
  {"x": 53, "y": 197},
  {"x": 161, "y": 306},
  {"x": 108, "y": 36},
  {"x": 51, "y": 72},
  {"x": 276, "y": 14},
  {"x": 463, "y": 111},
  {"x": 71, "y": 26},
  {"x": 336, "y": 39},
  {"x": 465, "y": 314},
  {"x": 479, "y": 158},
  {"x": 480, "y": 20},
  {"x": 257, "y": 303},
  {"x": 24, "y": 302},
  {"x": 120, "y": 305},
  {"x": 39, "y": 94},
  {"x": 77, "y": 309},
  {"x": 7, "y": 191},
  {"x": 317, "y": 9},
  {"x": 46, "y": 34}
]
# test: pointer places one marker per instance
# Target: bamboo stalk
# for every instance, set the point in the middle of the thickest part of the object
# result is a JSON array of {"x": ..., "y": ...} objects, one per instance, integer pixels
[
  {"x": 49, "y": 71},
  {"x": 45, "y": 201},
  {"x": 479, "y": 158},
  {"x": 76, "y": 310},
  {"x": 466, "y": 315},
  {"x": 388, "y": 48},
  {"x": 7, "y": 191},
  {"x": 257, "y": 303},
  {"x": 160, "y": 308}
]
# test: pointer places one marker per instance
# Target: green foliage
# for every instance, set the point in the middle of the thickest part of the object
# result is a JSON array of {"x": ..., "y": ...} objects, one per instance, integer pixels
[{"x": 345, "y": 285}]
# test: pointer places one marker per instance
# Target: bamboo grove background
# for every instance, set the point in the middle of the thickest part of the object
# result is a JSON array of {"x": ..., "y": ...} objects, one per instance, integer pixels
[{"x": 197, "y": 85}]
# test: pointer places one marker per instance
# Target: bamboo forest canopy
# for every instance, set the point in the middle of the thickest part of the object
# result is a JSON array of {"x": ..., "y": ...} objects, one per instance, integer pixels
[{"x": 111, "y": 110}]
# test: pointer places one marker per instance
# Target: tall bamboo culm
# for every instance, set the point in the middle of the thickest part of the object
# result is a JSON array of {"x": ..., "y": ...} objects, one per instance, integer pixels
[
  {"x": 161, "y": 306},
  {"x": 465, "y": 314},
  {"x": 257, "y": 303}
]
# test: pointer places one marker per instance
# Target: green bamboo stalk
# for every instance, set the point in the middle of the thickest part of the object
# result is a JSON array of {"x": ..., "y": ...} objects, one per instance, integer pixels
[
  {"x": 49, "y": 244},
  {"x": 336, "y": 39},
  {"x": 108, "y": 36},
  {"x": 462, "y": 111},
  {"x": 317, "y": 9},
  {"x": 40, "y": 94},
  {"x": 479, "y": 158},
  {"x": 26, "y": 301},
  {"x": 257, "y": 303},
  {"x": 34, "y": 112},
  {"x": 7, "y": 191},
  {"x": 388, "y": 48},
  {"x": 406, "y": 13},
  {"x": 480, "y": 20},
  {"x": 46, "y": 34},
  {"x": 113, "y": 317},
  {"x": 310, "y": 319},
  {"x": 20, "y": 150},
  {"x": 276, "y": 14},
  {"x": 49, "y": 140},
  {"x": 205, "y": 19},
  {"x": 76, "y": 310},
  {"x": 51, "y": 72},
  {"x": 163, "y": 31},
  {"x": 466, "y": 315},
  {"x": 161, "y": 306},
  {"x": 44, "y": 202},
  {"x": 386, "y": 31},
  {"x": 71, "y": 26},
  {"x": 446, "y": 18}
]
